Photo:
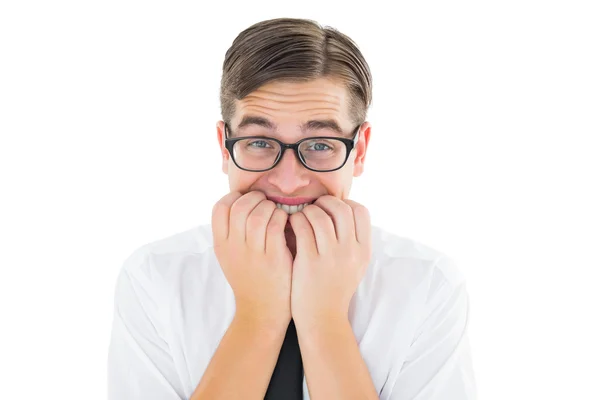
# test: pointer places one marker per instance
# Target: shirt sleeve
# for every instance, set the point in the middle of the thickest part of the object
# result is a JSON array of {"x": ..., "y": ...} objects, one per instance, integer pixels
[
  {"x": 139, "y": 363},
  {"x": 438, "y": 365}
]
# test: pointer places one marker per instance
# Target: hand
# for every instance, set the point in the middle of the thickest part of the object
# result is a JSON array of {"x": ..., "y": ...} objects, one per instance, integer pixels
[
  {"x": 333, "y": 240},
  {"x": 249, "y": 243}
]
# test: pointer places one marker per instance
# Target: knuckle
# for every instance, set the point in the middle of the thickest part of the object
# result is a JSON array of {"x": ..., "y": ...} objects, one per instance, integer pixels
[
  {"x": 247, "y": 200},
  {"x": 269, "y": 205},
  {"x": 239, "y": 204},
  {"x": 297, "y": 218},
  {"x": 255, "y": 196},
  {"x": 274, "y": 226},
  {"x": 219, "y": 208},
  {"x": 232, "y": 196},
  {"x": 319, "y": 201},
  {"x": 361, "y": 210},
  {"x": 311, "y": 208},
  {"x": 280, "y": 215},
  {"x": 255, "y": 221},
  {"x": 349, "y": 212}
]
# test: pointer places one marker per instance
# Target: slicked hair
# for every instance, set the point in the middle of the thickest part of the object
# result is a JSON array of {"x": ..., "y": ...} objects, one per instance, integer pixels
[{"x": 294, "y": 50}]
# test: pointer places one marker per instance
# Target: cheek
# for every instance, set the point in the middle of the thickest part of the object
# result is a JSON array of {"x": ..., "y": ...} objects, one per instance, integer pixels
[
  {"x": 242, "y": 181},
  {"x": 335, "y": 183}
]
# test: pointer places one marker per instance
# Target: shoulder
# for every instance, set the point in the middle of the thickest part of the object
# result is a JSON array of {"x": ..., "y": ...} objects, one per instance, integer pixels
[
  {"x": 408, "y": 273},
  {"x": 419, "y": 312},
  {"x": 406, "y": 282},
  {"x": 162, "y": 260},
  {"x": 411, "y": 257}
]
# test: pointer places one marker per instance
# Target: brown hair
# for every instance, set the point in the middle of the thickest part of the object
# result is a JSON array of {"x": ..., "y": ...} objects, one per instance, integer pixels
[{"x": 298, "y": 50}]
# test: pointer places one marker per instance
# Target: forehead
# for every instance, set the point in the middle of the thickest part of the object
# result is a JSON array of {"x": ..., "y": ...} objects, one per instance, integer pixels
[{"x": 290, "y": 104}]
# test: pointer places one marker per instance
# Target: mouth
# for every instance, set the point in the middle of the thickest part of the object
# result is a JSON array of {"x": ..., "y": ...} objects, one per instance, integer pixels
[
  {"x": 292, "y": 209},
  {"x": 292, "y": 205}
]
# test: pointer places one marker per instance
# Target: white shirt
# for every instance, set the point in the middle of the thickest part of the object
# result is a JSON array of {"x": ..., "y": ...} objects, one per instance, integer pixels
[{"x": 172, "y": 306}]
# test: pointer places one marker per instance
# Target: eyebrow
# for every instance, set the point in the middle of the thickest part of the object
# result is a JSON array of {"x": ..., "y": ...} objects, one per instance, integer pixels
[
  {"x": 310, "y": 125},
  {"x": 260, "y": 121}
]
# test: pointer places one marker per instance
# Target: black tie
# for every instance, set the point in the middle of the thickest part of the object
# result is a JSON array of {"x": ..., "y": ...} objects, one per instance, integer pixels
[{"x": 286, "y": 381}]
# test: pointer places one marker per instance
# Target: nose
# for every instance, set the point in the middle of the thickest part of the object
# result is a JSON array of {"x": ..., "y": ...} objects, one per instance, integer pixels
[{"x": 289, "y": 175}]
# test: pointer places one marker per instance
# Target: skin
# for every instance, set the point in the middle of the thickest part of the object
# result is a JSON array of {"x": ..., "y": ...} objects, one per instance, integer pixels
[
  {"x": 306, "y": 266},
  {"x": 289, "y": 105}
]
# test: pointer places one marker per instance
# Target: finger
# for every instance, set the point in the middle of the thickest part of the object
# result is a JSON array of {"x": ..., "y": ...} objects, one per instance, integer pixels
[
  {"x": 362, "y": 221},
  {"x": 240, "y": 210},
  {"x": 275, "y": 235},
  {"x": 220, "y": 216},
  {"x": 322, "y": 226},
  {"x": 256, "y": 224},
  {"x": 305, "y": 236},
  {"x": 342, "y": 216}
]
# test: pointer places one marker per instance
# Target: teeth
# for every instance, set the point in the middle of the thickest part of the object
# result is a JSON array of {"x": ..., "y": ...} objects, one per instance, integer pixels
[{"x": 291, "y": 209}]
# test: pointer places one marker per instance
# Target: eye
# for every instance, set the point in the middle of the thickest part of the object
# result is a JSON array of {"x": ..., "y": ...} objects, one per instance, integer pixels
[
  {"x": 262, "y": 144},
  {"x": 318, "y": 146}
]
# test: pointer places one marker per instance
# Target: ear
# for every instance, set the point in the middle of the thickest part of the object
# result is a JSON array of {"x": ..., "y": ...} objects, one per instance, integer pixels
[
  {"x": 361, "y": 148},
  {"x": 223, "y": 149}
]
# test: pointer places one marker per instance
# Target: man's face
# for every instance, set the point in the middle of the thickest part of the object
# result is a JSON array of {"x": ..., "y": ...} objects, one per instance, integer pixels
[{"x": 287, "y": 106}]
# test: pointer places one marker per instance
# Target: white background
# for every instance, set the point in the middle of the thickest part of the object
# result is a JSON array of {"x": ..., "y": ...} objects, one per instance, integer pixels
[{"x": 486, "y": 120}]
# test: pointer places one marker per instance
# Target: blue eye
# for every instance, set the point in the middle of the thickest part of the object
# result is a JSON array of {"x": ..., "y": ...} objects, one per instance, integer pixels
[
  {"x": 261, "y": 144},
  {"x": 320, "y": 147}
]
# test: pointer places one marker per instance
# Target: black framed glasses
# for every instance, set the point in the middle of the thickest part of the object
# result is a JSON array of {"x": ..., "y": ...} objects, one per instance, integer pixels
[{"x": 262, "y": 153}]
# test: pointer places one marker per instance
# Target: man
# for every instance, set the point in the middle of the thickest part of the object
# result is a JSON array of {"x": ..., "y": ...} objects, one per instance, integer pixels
[{"x": 290, "y": 292}]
